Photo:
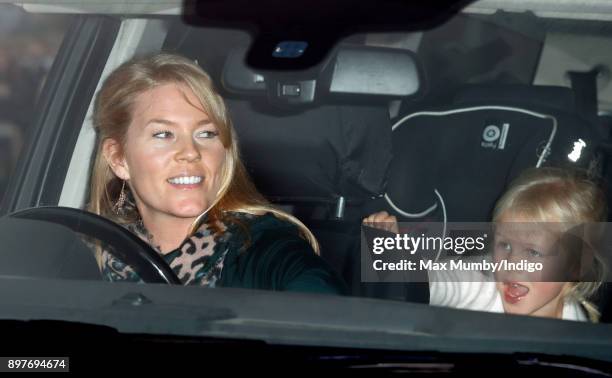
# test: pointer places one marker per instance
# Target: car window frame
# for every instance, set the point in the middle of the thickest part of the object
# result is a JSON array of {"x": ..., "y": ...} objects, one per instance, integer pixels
[{"x": 38, "y": 177}]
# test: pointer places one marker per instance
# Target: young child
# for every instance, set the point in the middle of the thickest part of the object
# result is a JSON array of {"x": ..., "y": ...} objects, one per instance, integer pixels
[
  {"x": 539, "y": 206},
  {"x": 550, "y": 196}
]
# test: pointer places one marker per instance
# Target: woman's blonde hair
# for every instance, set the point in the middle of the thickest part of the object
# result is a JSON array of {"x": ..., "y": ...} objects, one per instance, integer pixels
[
  {"x": 562, "y": 196},
  {"x": 112, "y": 116}
]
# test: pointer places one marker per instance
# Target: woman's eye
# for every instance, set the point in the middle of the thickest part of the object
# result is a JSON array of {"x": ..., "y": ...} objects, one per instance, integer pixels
[
  {"x": 162, "y": 134},
  {"x": 207, "y": 134}
]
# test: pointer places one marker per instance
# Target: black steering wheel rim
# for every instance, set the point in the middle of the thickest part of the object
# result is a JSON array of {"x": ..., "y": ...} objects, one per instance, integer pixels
[{"x": 127, "y": 247}]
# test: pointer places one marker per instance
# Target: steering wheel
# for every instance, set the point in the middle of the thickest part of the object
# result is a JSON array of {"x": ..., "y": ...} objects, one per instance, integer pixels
[{"x": 127, "y": 247}]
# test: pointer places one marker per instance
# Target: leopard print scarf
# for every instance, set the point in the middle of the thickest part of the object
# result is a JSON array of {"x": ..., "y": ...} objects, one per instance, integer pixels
[{"x": 197, "y": 261}]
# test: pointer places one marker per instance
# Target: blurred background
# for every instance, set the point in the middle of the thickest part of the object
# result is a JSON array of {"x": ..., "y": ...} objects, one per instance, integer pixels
[{"x": 28, "y": 46}]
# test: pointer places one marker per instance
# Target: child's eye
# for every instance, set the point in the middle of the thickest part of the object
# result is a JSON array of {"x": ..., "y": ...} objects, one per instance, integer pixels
[
  {"x": 162, "y": 134},
  {"x": 207, "y": 134},
  {"x": 534, "y": 253},
  {"x": 506, "y": 247}
]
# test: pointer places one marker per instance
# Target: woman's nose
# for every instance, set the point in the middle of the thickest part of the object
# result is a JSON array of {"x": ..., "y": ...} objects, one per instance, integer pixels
[{"x": 188, "y": 150}]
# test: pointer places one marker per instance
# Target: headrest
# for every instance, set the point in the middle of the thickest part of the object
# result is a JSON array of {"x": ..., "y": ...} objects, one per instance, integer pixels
[
  {"x": 315, "y": 155},
  {"x": 374, "y": 71},
  {"x": 352, "y": 72}
]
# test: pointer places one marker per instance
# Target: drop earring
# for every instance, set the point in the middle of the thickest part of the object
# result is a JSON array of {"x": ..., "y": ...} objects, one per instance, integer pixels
[{"x": 121, "y": 200}]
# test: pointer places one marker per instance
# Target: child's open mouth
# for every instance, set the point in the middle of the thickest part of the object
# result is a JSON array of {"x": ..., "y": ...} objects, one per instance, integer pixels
[{"x": 514, "y": 292}]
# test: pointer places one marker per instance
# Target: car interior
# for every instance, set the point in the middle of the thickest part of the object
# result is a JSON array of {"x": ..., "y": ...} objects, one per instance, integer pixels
[{"x": 419, "y": 124}]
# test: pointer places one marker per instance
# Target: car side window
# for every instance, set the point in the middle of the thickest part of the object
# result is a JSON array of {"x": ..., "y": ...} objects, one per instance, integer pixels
[{"x": 29, "y": 43}]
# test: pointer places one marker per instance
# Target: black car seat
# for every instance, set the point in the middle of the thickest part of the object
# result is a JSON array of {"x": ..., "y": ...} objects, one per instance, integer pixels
[{"x": 452, "y": 163}]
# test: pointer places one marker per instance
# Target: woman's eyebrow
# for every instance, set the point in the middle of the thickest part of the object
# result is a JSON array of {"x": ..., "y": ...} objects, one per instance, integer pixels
[
  {"x": 160, "y": 121},
  {"x": 202, "y": 122}
]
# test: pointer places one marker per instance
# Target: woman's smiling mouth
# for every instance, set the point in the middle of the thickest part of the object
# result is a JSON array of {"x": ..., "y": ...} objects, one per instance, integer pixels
[{"x": 185, "y": 181}]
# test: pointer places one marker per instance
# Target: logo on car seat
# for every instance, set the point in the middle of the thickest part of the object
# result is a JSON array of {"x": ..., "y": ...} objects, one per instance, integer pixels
[
  {"x": 494, "y": 137},
  {"x": 574, "y": 156}
]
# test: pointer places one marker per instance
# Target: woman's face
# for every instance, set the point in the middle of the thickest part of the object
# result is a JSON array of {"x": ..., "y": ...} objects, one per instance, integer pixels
[{"x": 173, "y": 156}]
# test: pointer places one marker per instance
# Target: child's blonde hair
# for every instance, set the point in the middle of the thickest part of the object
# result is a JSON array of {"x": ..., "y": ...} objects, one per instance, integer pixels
[{"x": 560, "y": 195}]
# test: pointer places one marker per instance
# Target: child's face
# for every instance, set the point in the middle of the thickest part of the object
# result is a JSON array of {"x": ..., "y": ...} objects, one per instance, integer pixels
[{"x": 523, "y": 292}]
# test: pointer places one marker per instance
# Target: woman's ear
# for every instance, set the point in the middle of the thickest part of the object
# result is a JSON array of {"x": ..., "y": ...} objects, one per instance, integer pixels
[{"x": 113, "y": 153}]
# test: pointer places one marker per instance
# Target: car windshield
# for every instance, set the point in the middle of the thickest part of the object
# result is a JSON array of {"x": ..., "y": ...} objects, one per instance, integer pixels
[{"x": 397, "y": 147}]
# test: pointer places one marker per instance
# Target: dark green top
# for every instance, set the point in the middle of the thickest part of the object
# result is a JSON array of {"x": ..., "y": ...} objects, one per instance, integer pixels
[
  {"x": 271, "y": 256},
  {"x": 278, "y": 259}
]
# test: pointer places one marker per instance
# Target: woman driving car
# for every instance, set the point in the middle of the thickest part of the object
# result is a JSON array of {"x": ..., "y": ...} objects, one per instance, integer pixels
[{"x": 167, "y": 168}]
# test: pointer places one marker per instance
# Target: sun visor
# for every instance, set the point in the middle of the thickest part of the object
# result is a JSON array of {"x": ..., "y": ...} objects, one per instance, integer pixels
[{"x": 353, "y": 72}]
